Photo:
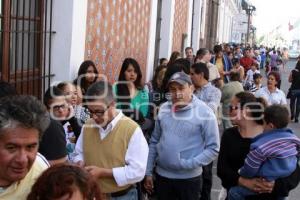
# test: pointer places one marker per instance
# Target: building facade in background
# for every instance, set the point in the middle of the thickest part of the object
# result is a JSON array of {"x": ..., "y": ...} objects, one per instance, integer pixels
[{"x": 63, "y": 34}]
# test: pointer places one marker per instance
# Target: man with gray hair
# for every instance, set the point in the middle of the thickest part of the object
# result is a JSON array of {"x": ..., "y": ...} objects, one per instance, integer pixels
[
  {"x": 111, "y": 145},
  {"x": 23, "y": 119}
]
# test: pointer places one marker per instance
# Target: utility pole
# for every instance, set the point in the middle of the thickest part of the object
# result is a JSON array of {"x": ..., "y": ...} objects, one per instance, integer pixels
[
  {"x": 248, "y": 28},
  {"x": 249, "y": 11}
]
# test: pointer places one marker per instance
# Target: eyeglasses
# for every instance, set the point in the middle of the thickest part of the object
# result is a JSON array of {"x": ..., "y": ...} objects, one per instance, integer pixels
[
  {"x": 231, "y": 108},
  {"x": 98, "y": 113},
  {"x": 57, "y": 107}
]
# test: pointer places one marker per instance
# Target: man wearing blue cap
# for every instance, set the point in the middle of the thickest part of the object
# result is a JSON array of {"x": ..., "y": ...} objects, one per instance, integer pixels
[{"x": 185, "y": 138}]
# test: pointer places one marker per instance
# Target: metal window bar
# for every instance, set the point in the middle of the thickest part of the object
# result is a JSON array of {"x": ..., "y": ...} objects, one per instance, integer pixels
[
  {"x": 22, "y": 47},
  {"x": 8, "y": 28},
  {"x": 26, "y": 33},
  {"x": 46, "y": 43},
  {"x": 16, "y": 22},
  {"x": 157, "y": 34},
  {"x": 35, "y": 8},
  {"x": 28, "y": 49},
  {"x": 45, "y": 40}
]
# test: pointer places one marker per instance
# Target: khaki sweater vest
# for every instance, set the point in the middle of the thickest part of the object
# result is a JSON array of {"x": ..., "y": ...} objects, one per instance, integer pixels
[{"x": 108, "y": 152}]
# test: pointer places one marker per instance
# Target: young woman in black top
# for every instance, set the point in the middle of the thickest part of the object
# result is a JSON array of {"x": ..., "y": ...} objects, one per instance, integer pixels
[
  {"x": 294, "y": 78},
  {"x": 235, "y": 145}
]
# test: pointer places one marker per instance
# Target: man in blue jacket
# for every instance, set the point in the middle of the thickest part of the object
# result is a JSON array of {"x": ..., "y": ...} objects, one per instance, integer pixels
[{"x": 185, "y": 138}]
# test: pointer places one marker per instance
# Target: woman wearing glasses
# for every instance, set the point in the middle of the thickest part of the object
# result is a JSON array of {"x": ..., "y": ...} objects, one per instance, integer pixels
[
  {"x": 246, "y": 112},
  {"x": 64, "y": 128},
  {"x": 228, "y": 91}
]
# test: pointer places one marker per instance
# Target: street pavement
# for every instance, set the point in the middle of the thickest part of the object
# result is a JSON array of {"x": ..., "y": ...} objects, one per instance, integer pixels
[{"x": 295, "y": 194}]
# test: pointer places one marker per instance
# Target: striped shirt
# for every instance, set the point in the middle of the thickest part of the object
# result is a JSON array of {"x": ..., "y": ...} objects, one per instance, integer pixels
[
  {"x": 272, "y": 155},
  {"x": 253, "y": 88}
]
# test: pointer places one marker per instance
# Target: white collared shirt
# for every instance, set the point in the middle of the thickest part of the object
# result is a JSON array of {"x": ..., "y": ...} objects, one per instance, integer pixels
[
  {"x": 135, "y": 158},
  {"x": 277, "y": 97}
]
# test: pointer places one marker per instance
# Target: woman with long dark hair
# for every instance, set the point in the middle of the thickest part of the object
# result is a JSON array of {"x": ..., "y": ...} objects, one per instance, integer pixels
[
  {"x": 154, "y": 87},
  {"x": 87, "y": 75},
  {"x": 129, "y": 89},
  {"x": 174, "y": 56}
]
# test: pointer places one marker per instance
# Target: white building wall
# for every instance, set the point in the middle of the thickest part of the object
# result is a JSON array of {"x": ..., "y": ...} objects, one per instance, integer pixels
[
  {"x": 197, "y": 24},
  {"x": 225, "y": 25},
  {"x": 228, "y": 10},
  {"x": 189, "y": 25},
  {"x": 68, "y": 44},
  {"x": 228, "y": 23},
  {"x": 231, "y": 27},
  {"x": 203, "y": 19},
  {"x": 166, "y": 32},
  {"x": 220, "y": 21},
  {"x": 78, "y": 35},
  {"x": 151, "y": 43}
]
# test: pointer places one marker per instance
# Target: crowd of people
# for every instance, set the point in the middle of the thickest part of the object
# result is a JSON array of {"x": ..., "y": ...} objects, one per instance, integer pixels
[{"x": 91, "y": 139}]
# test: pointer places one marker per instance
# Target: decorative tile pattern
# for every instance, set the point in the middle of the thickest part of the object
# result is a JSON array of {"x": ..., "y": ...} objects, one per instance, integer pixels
[
  {"x": 180, "y": 23},
  {"x": 117, "y": 29}
]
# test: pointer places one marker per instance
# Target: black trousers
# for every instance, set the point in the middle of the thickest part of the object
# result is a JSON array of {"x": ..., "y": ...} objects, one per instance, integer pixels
[
  {"x": 178, "y": 189},
  {"x": 207, "y": 181},
  {"x": 295, "y": 103}
]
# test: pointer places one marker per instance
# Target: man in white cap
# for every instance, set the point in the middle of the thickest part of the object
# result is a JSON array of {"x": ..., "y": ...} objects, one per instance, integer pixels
[{"x": 185, "y": 138}]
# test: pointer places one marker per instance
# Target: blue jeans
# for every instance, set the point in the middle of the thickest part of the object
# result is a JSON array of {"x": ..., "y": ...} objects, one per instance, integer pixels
[
  {"x": 131, "y": 195},
  {"x": 240, "y": 193},
  {"x": 262, "y": 64}
]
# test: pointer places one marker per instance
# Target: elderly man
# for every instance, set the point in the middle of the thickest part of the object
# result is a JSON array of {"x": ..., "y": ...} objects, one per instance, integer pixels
[
  {"x": 23, "y": 119},
  {"x": 185, "y": 138},
  {"x": 111, "y": 145}
]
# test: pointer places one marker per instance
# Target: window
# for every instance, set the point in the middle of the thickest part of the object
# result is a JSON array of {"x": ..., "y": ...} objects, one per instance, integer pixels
[{"x": 22, "y": 46}]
